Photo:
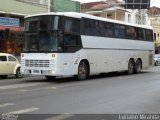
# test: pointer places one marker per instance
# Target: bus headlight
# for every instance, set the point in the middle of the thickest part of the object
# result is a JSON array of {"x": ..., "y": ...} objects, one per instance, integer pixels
[{"x": 52, "y": 72}]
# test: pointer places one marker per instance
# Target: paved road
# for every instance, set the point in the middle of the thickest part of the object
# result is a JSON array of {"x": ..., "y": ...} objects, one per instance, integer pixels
[{"x": 114, "y": 93}]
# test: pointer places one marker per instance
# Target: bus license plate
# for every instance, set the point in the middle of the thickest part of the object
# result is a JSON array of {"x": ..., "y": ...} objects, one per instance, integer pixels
[{"x": 36, "y": 71}]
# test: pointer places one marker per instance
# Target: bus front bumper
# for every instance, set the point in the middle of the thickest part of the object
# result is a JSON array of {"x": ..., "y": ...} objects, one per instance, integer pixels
[{"x": 37, "y": 72}]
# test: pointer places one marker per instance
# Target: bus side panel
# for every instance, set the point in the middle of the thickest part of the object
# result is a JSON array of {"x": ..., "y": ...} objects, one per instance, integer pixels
[{"x": 110, "y": 54}]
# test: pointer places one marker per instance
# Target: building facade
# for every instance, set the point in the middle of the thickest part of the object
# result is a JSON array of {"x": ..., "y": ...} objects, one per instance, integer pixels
[
  {"x": 154, "y": 13},
  {"x": 12, "y": 13},
  {"x": 114, "y": 9},
  {"x": 155, "y": 22}
]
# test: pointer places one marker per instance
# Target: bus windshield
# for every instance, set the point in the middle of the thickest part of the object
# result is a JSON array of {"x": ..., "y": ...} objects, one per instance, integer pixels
[{"x": 42, "y": 34}]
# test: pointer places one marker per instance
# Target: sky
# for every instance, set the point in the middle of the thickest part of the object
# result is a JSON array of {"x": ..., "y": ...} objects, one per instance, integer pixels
[{"x": 153, "y": 2}]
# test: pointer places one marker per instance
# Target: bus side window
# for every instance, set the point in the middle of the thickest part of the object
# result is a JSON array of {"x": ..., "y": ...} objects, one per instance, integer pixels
[
  {"x": 67, "y": 25},
  {"x": 119, "y": 31},
  {"x": 90, "y": 27},
  {"x": 86, "y": 26},
  {"x": 97, "y": 28},
  {"x": 109, "y": 29},
  {"x": 141, "y": 33},
  {"x": 72, "y": 42},
  {"x": 101, "y": 28},
  {"x": 131, "y": 32},
  {"x": 149, "y": 35},
  {"x": 72, "y": 25}
]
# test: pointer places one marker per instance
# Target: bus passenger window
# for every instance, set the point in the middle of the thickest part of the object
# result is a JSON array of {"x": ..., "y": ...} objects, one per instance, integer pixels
[
  {"x": 86, "y": 26},
  {"x": 131, "y": 32},
  {"x": 109, "y": 29},
  {"x": 72, "y": 25},
  {"x": 92, "y": 27},
  {"x": 119, "y": 31},
  {"x": 89, "y": 27},
  {"x": 72, "y": 43},
  {"x": 141, "y": 33},
  {"x": 101, "y": 28},
  {"x": 97, "y": 28},
  {"x": 76, "y": 26},
  {"x": 149, "y": 35},
  {"x": 68, "y": 25}
]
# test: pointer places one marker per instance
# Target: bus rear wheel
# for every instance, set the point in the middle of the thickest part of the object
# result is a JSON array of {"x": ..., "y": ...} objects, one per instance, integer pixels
[
  {"x": 138, "y": 66},
  {"x": 131, "y": 67},
  {"x": 83, "y": 71},
  {"x": 50, "y": 77}
]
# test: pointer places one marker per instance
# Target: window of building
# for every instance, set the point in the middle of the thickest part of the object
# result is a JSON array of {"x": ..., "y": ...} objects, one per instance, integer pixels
[
  {"x": 129, "y": 18},
  {"x": 42, "y": 2}
]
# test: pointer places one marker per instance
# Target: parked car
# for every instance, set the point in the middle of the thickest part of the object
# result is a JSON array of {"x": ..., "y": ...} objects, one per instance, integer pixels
[
  {"x": 9, "y": 65},
  {"x": 157, "y": 59}
]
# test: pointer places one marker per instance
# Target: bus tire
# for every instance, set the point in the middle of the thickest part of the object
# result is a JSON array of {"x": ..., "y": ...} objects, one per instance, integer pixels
[
  {"x": 50, "y": 77},
  {"x": 138, "y": 66},
  {"x": 156, "y": 63},
  {"x": 131, "y": 67},
  {"x": 83, "y": 70}
]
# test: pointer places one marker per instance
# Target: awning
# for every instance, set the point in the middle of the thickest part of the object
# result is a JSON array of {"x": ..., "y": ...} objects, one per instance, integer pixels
[{"x": 12, "y": 28}]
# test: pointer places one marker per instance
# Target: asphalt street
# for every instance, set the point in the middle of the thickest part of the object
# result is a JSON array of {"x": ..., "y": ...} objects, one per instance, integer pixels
[{"x": 115, "y": 93}]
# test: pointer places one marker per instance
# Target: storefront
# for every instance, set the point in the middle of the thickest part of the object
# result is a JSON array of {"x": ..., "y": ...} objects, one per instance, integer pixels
[{"x": 11, "y": 36}]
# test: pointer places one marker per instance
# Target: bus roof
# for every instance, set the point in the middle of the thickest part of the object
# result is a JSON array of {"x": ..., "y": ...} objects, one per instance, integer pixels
[{"x": 83, "y": 15}]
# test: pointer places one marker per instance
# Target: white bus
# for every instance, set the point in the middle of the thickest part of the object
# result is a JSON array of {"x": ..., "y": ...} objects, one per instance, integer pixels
[{"x": 68, "y": 43}]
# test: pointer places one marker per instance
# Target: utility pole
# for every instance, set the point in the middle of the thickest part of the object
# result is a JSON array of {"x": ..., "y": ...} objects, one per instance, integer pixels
[{"x": 49, "y": 5}]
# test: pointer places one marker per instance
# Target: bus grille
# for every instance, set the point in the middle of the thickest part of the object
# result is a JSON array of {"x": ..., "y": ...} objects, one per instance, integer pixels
[{"x": 39, "y": 63}]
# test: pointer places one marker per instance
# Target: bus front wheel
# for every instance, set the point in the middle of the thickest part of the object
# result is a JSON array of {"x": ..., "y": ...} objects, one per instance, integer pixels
[
  {"x": 131, "y": 67},
  {"x": 83, "y": 70}
]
